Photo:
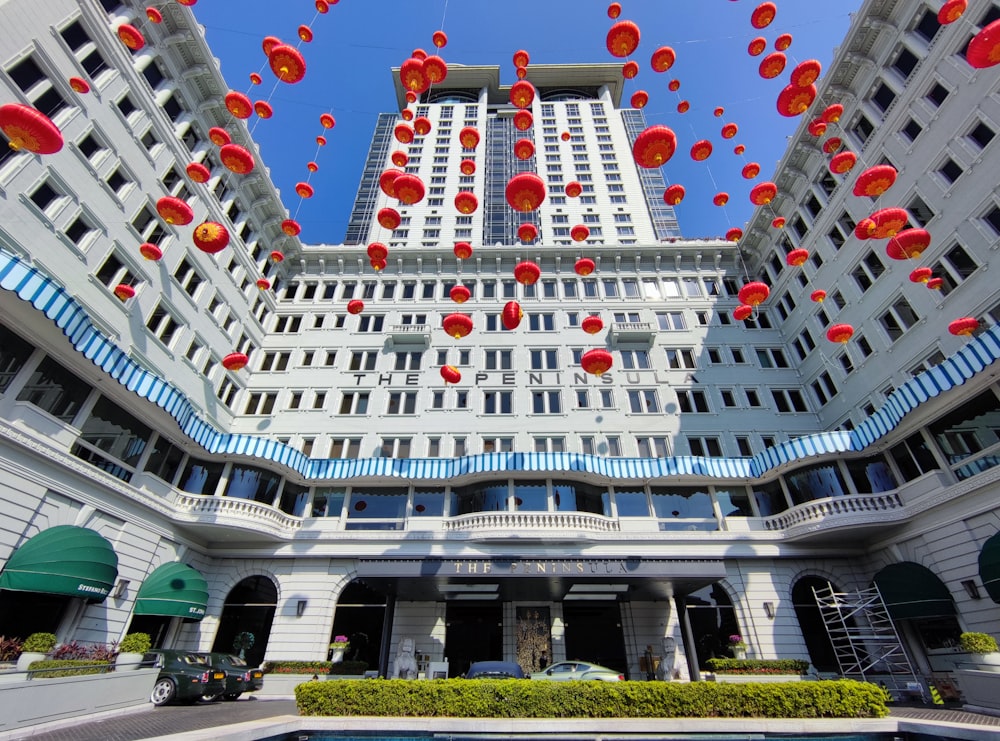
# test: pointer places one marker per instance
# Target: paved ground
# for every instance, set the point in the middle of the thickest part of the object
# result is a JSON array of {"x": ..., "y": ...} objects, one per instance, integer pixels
[{"x": 170, "y": 720}]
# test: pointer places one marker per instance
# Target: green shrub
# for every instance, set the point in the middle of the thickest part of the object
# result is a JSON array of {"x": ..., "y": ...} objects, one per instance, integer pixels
[
  {"x": 978, "y": 643},
  {"x": 39, "y": 643},
  {"x": 349, "y": 667},
  {"x": 135, "y": 643},
  {"x": 64, "y": 668},
  {"x": 757, "y": 666},
  {"x": 297, "y": 667},
  {"x": 518, "y": 698}
]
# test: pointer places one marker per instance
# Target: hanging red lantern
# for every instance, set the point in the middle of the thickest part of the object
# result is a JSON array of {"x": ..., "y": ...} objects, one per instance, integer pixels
[
  {"x": 763, "y": 193},
  {"x": 525, "y": 192},
  {"x": 521, "y": 58},
  {"x": 741, "y": 312},
  {"x": 28, "y": 128},
  {"x": 276, "y": 256},
  {"x": 411, "y": 97},
  {"x": 654, "y": 146},
  {"x": 457, "y": 325},
  {"x": 964, "y": 327},
  {"x": 592, "y": 324},
  {"x": 522, "y": 93},
  {"x": 439, "y": 39},
  {"x": 817, "y": 127},
  {"x": 263, "y": 284},
  {"x": 718, "y": 112},
  {"x": 198, "y": 172},
  {"x": 305, "y": 33},
  {"x": 153, "y": 15},
  {"x": 403, "y": 133},
  {"x": 304, "y": 190},
  {"x": 409, "y": 189},
  {"x": 639, "y": 99},
  {"x": 772, "y": 65},
  {"x": 630, "y": 69},
  {"x": 818, "y": 296},
  {"x": 614, "y": 10},
  {"x": 735, "y": 234},
  {"x": 460, "y": 294},
  {"x": 150, "y": 251},
  {"x": 921, "y": 275},
  {"x": 623, "y": 38},
  {"x": 951, "y": 11},
  {"x": 662, "y": 59},
  {"x": 750, "y": 170},
  {"x": 79, "y": 85},
  {"x": 908, "y": 244},
  {"x": 794, "y": 100},
  {"x": 355, "y": 306},
  {"x": 935, "y": 284},
  {"x": 312, "y": 166},
  {"x": 763, "y": 14},
  {"x": 236, "y": 159},
  {"x": 806, "y": 73},
  {"x": 387, "y": 181},
  {"x": 739, "y": 149},
  {"x": 524, "y": 149},
  {"x": 419, "y": 54},
  {"x": 377, "y": 251},
  {"x": 421, "y": 126},
  {"x": 984, "y": 49},
  {"x": 674, "y": 194},
  {"x": 875, "y": 181},
  {"x": 684, "y": 106},
  {"x": 796, "y": 258},
  {"x": 412, "y": 77},
  {"x": 255, "y": 79},
  {"x": 565, "y": 136},
  {"x": 573, "y": 189},
  {"x": 466, "y": 202},
  {"x": 468, "y": 137},
  {"x": 238, "y": 104},
  {"x": 864, "y": 228},
  {"x": 832, "y": 144},
  {"x": 235, "y": 361},
  {"x": 124, "y": 291},
  {"x": 327, "y": 121},
  {"x": 579, "y": 233},
  {"x": 523, "y": 120},
  {"x": 511, "y": 315},
  {"x": 263, "y": 109},
  {"x": 527, "y": 232},
  {"x": 754, "y": 293},
  {"x": 210, "y": 237},
  {"x": 888, "y": 222},
  {"x": 268, "y": 43},
  {"x": 527, "y": 273},
  {"x": 596, "y": 362},
  {"x": 783, "y": 41},
  {"x": 463, "y": 250},
  {"x": 843, "y": 162},
  {"x": 584, "y": 266},
  {"x": 436, "y": 69},
  {"x": 467, "y": 167},
  {"x": 778, "y": 222},
  {"x": 291, "y": 227},
  {"x": 841, "y": 333},
  {"x": 757, "y": 46},
  {"x": 219, "y": 136},
  {"x": 131, "y": 37},
  {"x": 674, "y": 85},
  {"x": 729, "y": 130},
  {"x": 388, "y": 218},
  {"x": 720, "y": 199},
  {"x": 377, "y": 265},
  {"x": 399, "y": 158},
  {"x": 450, "y": 374},
  {"x": 521, "y": 72},
  {"x": 174, "y": 211},
  {"x": 832, "y": 113}
]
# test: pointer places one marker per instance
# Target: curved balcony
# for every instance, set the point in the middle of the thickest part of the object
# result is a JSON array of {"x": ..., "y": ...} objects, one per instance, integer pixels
[
  {"x": 850, "y": 511},
  {"x": 232, "y": 512},
  {"x": 528, "y": 525}
]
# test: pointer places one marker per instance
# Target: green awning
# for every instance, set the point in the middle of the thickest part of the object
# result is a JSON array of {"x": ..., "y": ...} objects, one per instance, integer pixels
[
  {"x": 64, "y": 559},
  {"x": 173, "y": 590},
  {"x": 989, "y": 567},
  {"x": 910, "y": 590}
]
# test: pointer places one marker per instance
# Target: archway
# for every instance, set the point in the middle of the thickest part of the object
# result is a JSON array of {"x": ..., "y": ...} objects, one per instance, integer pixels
[
  {"x": 360, "y": 616},
  {"x": 713, "y": 620},
  {"x": 807, "y": 612},
  {"x": 245, "y": 625}
]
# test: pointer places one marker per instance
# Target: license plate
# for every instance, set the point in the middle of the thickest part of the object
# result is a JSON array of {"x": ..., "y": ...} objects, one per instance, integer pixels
[
  {"x": 258, "y": 675},
  {"x": 219, "y": 675}
]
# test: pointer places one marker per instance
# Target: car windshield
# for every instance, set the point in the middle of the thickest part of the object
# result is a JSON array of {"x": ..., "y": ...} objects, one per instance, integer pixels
[
  {"x": 235, "y": 660},
  {"x": 194, "y": 659}
]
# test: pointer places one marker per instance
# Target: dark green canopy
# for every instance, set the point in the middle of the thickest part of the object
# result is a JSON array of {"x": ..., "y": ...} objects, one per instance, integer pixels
[
  {"x": 173, "y": 590},
  {"x": 910, "y": 590},
  {"x": 989, "y": 567},
  {"x": 65, "y": 559}
]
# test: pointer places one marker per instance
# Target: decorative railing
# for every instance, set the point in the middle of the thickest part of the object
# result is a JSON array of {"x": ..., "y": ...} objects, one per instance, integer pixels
[
  {"x": 855, "y": 504},
  {"x": 510, "y": 523},
  {"x": 244, "y": 513}
]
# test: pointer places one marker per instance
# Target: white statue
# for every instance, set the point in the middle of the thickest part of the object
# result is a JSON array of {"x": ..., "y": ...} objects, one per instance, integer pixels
[{"x": 405, "y": 666}]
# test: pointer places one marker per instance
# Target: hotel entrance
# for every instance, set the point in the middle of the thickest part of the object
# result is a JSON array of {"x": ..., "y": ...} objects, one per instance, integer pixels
[
  {"x": 474, "y": 632},
  {"x": 594, "y": 633}
]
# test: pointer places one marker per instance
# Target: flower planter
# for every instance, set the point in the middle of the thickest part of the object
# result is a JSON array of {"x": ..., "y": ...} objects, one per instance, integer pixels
[
  {"x": 759, "y": 678},
  {"x": 127, "y": 661},
  {"x": 336, "y": 655},
  {"x": 27, "y": 658},
  {"x": 981, "y": 689}
]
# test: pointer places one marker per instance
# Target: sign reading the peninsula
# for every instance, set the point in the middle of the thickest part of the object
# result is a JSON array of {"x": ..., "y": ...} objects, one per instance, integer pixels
[
  {"x": 520, "y": 567},
  {"x": 529, "y": 568}
]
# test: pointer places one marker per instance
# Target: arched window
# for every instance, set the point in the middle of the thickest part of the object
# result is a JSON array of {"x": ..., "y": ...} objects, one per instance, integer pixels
[
  {"x": 245, "y": 625},
  {"x": 811, "y": 623},
  {"x": 713, "y": 620}
]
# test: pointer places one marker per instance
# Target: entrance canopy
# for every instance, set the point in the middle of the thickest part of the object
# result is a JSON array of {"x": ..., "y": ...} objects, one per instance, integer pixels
[
  {"x": 910, "y": 590},
  {"x": 989, "y": 567},
  {"x": 173, "y": 590},
  {"x": 65, "y": 559},
  {"x": 510, "y": 579}
]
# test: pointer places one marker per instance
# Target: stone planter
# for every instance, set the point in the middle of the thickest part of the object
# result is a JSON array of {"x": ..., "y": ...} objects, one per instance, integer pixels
[
  {"x": 336, "y": 655},
  {"x": 27, "y": 658},
  {"x": 739, "y": 653},
  {"x": 758, "y": 678},
  {"x": 986, "y": 662},
  {"x": 127, "y": 661},
  {"x": 981, "y": 689}
]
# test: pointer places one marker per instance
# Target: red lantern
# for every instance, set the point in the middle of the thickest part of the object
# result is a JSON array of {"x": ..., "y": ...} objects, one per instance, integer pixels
[
  {"x": 614, "y": 10},
  {"x": 124, "y": 291},
  {"x": 623, "y": 38},
  {"x": 174, "y": 211},
  {"x": 377, "y": 264},
  {"x": 639, "y": 99},
  {"x": 778, "y": 222},
  {"x": 843, "y": 162},
  {"x": 674, "y": 194},
  {"x": 888, "y": 222},
  {"x": 935, "y": 284},
  {"x": 592, "y": 324},
  {"x": 210, "y": 237},
  {"x": 525, "y": 192},
  {"x": 806, "y": 73},
  {"x": 79, "y": 85},
  {"x": 735, "y": 234},
  {"x": 321, "y": 140},
  {"x": 951, "y": 11},
  {"x": 984, "y": 49},
  {"x": 524, "y": 149},
  {"x": 875, "y": 181},
  {"x": 450, "y": 374},
  {"x": 521, "y": 72},
  {"x": 412, "y": 77},
  {"x": 796, "y": 258},
  {"x": 466, "y": 202},
  {"x": 794, "y": 100},
  {"x": 238, "y": 104},
  {"x": 421, "y": 126},
  {"x": 818, "y": 296},
  {"x": 463, "y": 250},
  {"x": 436, "y": 69},
  {"x": 377, "y": 251},
  {"x": 305, "y": 33},
  {"x": 419, "y": 54},
  {"x": 30, "y": 129},
  {"x": 763, "y": 193},
  {"x": 403, "y": 133},
  {"x": 654, "y": 146},
  {"x": 757, "y": 46},
  {"x": 720, "y": 199},
  {"x": 739, "y": 149},
  {"x": 263, "y": 109},
  {"x": 754, "y": 293},
  {"x": 457, "y": 325},
  {"x": 783, "y": 41},
  {"x": 198, "y": 172},
  {"x": 468, "y": 137},
  {"x": 407, "y": 114},
  {"x": 439, "y": 39},
  {"x": 255, "y": 79},
  {"x": 150, "y": 251},
  {"x": 276, "y": 256},
  {"x": 409, "y": 189},
  {"x": 772, "y": 65},
  {"x": 521, "y": 58},
  {"x": 840, "y": 333},
  {"x": 523, "y": 120},
  {"x": 742, "y": 312},
  {"x": 596, "y": 362},
  {"x": 750, "y": 170},
  {"x": 235, "y": 361},
  {"x": 584, "y": 266},
  {"x": 763, "y": 14},
  {"x": 921, "y": 275},
  {"x": 154, "y": 15},
  {"x": 467, "y": 167},
  {"x": 662, "y": 59},
  {"x": 630, "y": 69},
  {"x": 729, "y": 130},
  {"x": 908, "y": 244},
  {"x": 864, "y": 228},
  {"x": 817, "y": 127},
  {"x": 187, "y": 3},
  {"x": 832, "y": 113},
  {"x": 832, "y": 144},
  {"x": 683, "y": 107},
  {"x": 387, "y": 181},
  {"x": 527, "y": 273},
  {"x": 388, "y": 218},
  {"x": 527, "y": 232},
  {"x": 511, "y": 315},
  {"x": 573, "y": 189},
  {"x": 522, "y": 93},
  {"x": 460, "y": 294},
  {"x": 579, "y": 233},
  {"x": 355, "y": 306},
  {"x": 304, "y": 190},
  {"x": 674, "y": 85},
  {"x": 263, "y": 284},
  {"x": 291, "y": 227},
  {"x": 131, "y": 37},
  {"x": 399, "y": 158},
  {"x": 565, "y": 136},
  {"x": 236, "y": 159},
  {"x": 268, "y": 43},
  {"x": 964, "y": 327},
  {"x": 219, "y": 136},
  {"x": 411, "y": 97},
  {"x": 327, "y": 121}
]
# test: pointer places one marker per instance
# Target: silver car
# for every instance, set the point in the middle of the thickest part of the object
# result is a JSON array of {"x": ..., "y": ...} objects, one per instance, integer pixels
[{"x": 567, "y": 670}]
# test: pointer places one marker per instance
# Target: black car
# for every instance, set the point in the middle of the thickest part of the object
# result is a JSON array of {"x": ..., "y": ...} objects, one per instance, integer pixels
[
  {"x": 494, "y": 670},
  {"x": 240, "y": 677},
  {"x": 185, "y": 676}
]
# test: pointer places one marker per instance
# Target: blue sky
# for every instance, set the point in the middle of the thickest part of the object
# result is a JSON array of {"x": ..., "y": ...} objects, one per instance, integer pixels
[{"x": 358, "y": 41}]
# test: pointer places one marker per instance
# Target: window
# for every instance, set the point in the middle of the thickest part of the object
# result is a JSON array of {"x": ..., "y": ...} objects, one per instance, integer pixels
[
  {"x": 113, "y": 272},
  {"x": 635, "y": 359},
  {"x": 363, "y": 360},
  {"x": 824, "y": 388},
  {"x": 545, "y": 402},
  {"x": 920, "y": 212},
  {"x": 188, "y": 277},
  {"x": 541, "y": 322},
  {"x": 862, "y": 128},
  {"x": 275, "y": 361},
  {"x": 395, "y": 447},
  {"x": 905, "y": 62},
  {"x": 319, "y": 400},
  {"x": 498, "y": 402},
  {"x": 670, "y": 320},
  {"x": 550, "y": 444},
  {"x": 44, "y": 196},
  {"x": 499, "y": 359},
  {"x": 937, "y": 94},
  {"x": 692, "y": 400},
  {"x": 705, "y": 446},
  {"x": 543, "y": 360},
  {"x": 402, "y": 402},
  {"x": 789, "y": 400},
  {"x": 162, "y": 324},
  {"x": 992, "y": 219},
  {"x": 643, "y": 401},
  {"x": 55, "y": 390},
  {"x": 950, "y": 170},
  {"x": 344, "y": 447},
  {"x": 883, "y": 97},
  {"x": 981, "y": 135},
  {"x": 954, "y": 267},
  {"x": 354, "y": 402},
  {"x": 868, "y": 271},
  {"x": 652, "y": 447},
  {"x": 371, "y": 323},
  {"x": 771, "y": 357},
  {"x": 498, "y": 444},
  {"x": 897, "y": 319},
  {"x": 260, "y": 403},
  {"x": 679, "y": 358},
  {"x": 911, "y": 130},
  {"x": 928, "y": 25},
  {"x": 728, "y": 397},
  {"x": 406, "y": 361}
]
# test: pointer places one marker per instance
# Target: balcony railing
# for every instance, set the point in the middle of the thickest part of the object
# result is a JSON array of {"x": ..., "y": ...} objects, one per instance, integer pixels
[
  {"x": 848, "y": 510},
  {"x": 410, "y": 334},
  {"x": 233, "y": 511},
  {"x": 515, "y": 524},
  {"x": 632, "y": 333}
]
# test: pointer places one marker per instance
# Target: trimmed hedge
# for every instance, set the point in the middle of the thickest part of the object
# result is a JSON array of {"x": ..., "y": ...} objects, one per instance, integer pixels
[
  {"x": 757, "y": 666},
  {"x": 64, "y": 668},
  {"x": 518, "y": 698},
  {"x": 297, "y": 667}
]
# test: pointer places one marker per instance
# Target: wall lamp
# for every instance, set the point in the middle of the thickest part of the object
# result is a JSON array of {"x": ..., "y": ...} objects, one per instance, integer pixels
[
  {"x": 769, "y": 610},
  {"x": 971, "y": 589},
  {"x": 300, "y": 607},
  {"x": 118, "y": 590}
]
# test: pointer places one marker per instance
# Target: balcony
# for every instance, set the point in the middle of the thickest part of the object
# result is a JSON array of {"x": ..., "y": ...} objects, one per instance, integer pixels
[
  {"x": 410, "y": 335},
  {"x": 632, "y": 334},
  {"x": 232, "y": 512},
  {"x": 856, "y": 511},
  {"x": 509, "y": 526}
]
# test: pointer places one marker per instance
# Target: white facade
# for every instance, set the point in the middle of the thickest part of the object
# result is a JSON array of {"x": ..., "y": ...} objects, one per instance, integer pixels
[{"x": 529, "y": 495}]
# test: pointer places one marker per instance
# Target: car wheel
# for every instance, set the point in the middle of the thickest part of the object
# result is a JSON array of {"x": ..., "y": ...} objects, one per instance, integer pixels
[
  {"x": 232, "y": 695},
  {"x": 163, "y": 691},
  {"x": 211, "y": 698}
]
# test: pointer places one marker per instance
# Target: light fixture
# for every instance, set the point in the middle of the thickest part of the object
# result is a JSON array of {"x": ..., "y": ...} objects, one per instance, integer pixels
[
  {"x": 468, "y": 587},
  {"x": 300, "y": 607},
  {"x": 769, "y": 610},
  {"x": 478, "y": 596},
  {"x": 119, "y": 588},
  {"x": 599, "y": 588},
  {"x": 971, "y": 589},
  {"x": 590, "y": 597}
]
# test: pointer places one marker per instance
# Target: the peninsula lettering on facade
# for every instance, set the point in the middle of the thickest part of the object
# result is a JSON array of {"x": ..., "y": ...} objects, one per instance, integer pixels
[
  {"x": 511, "y": 378},
  {"x": 530, "y": 568}
]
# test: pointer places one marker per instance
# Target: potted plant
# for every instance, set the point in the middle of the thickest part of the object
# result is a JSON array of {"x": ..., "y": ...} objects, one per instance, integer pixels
[
  {"x": 131, "y": 650},
  {"x": 983, "y": 648},
  {"x": 738, "y": 646},
  {"x": 337, "y": 648},
  {"x": 34, "y": 648}
]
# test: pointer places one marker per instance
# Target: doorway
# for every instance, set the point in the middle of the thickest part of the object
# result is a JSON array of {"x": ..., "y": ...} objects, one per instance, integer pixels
[
  {"x": 474, "y": 632},
  {"x": 594, "y": 633},
  {"x": 360, "y": 616},
  {"x": 245, "y": 624}
]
